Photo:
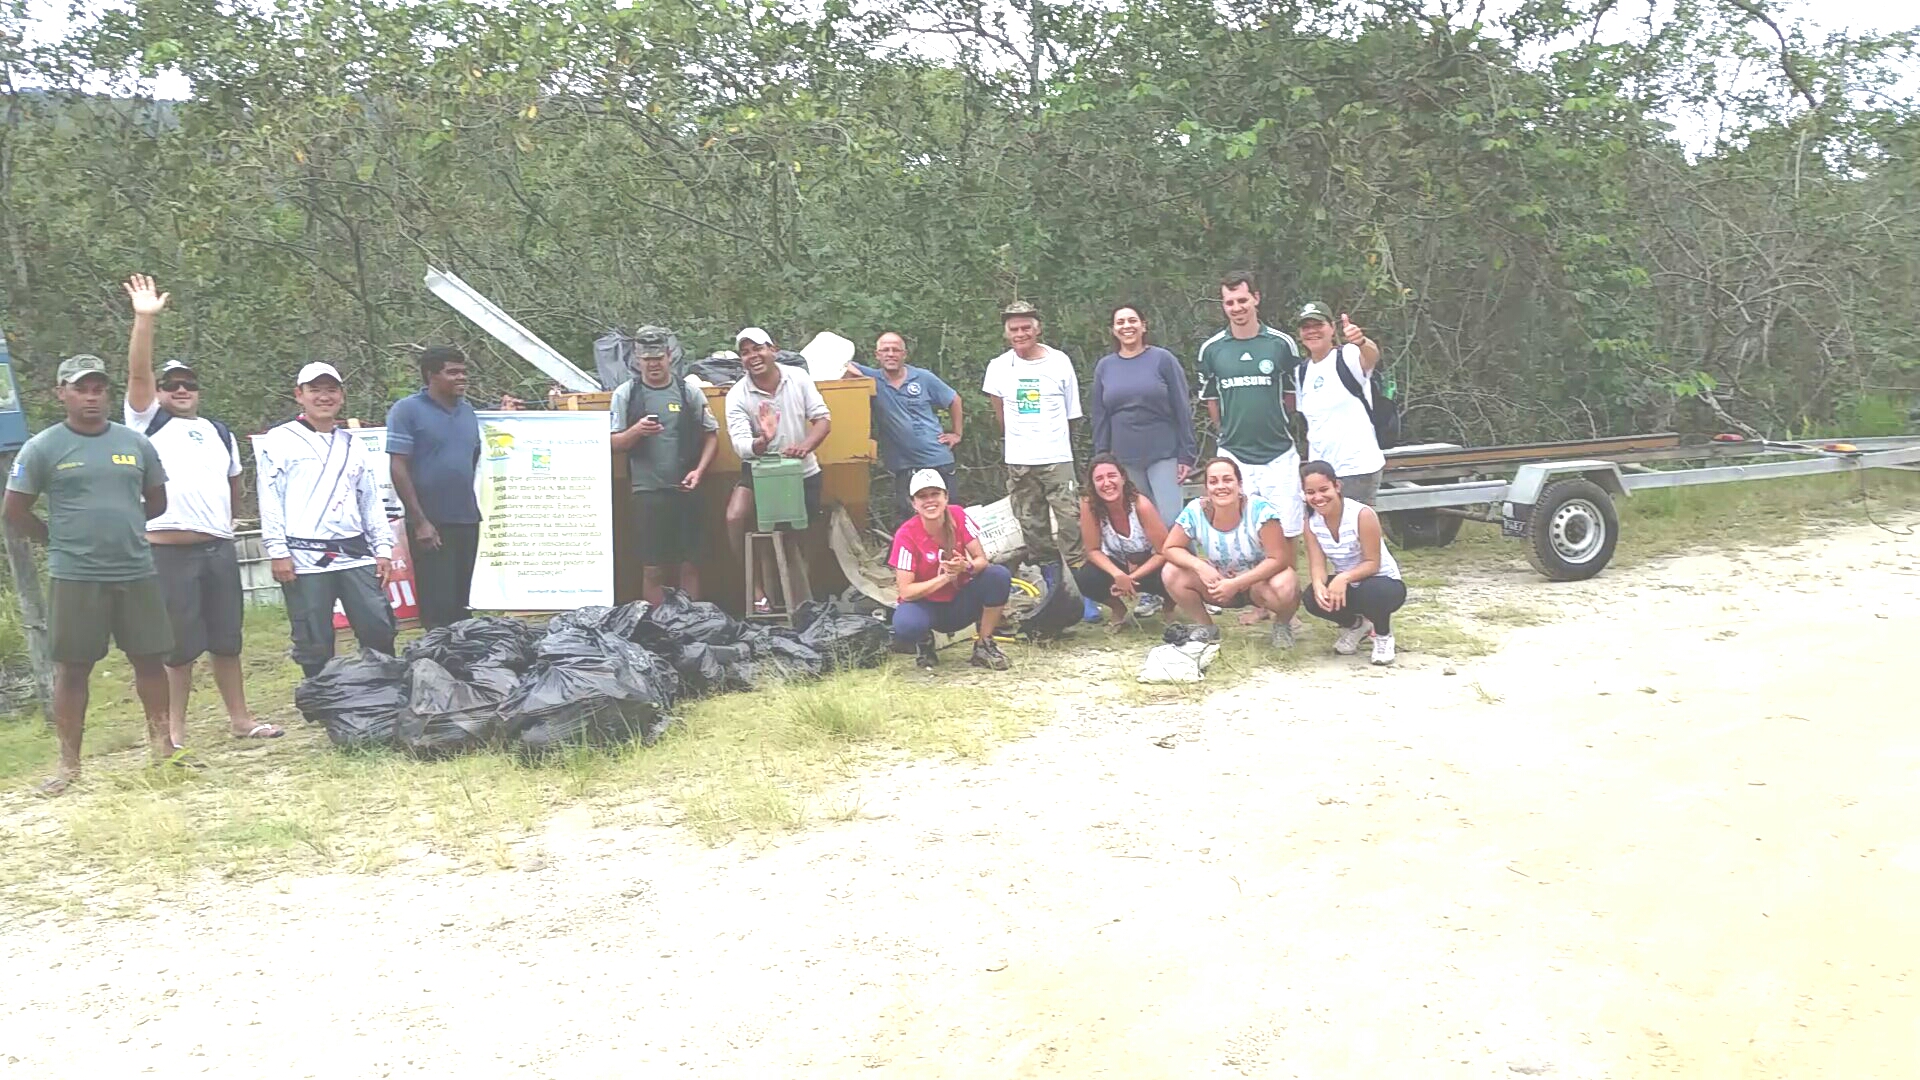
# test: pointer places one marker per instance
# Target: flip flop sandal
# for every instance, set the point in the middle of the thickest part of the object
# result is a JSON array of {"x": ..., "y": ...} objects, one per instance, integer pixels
[
  {"x": 53, "y": 787},
  {"x": 181, "y": 758},
  {"x": 260, "y": 731}
]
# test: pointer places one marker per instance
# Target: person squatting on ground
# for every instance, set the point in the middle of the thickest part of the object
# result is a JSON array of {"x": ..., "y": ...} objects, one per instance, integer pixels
[
  {"x": 776, "y": 411},
  {"x": 1123, "y": 534},
  {"x": 944, "y": 578},
  {"x": 323, "y": 525},
  {"x": 905, "y": 423},
  {"x": 192, "y": 542},
  {"x": 1142, "y": 413},
  {"x": 433, "y": 445},
  {"x": 103, "y": 482},
  {"x": 1229, "y": 550},
  {"x": 1333, "y": 391},
  {"x": 670, "y": 437},
  {"x": 1036, "y": 396},
  {"x": 1356, "y": 582}
]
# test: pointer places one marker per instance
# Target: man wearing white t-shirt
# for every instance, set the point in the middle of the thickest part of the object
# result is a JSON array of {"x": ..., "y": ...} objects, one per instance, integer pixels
[
  {"x": 1036, "y": 394},
  {"x": 192, "y": 542},
  {"x": 1336, "y": 403}
]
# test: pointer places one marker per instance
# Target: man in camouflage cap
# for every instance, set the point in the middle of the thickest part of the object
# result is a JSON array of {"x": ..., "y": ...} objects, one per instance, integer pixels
[{"x": 662, "y": 423}]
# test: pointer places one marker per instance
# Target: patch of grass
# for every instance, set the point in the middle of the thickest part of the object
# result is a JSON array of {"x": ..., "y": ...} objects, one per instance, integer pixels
[
  {"x": 1421, "y": 628},
  {"x": 1512, "y": 615}
]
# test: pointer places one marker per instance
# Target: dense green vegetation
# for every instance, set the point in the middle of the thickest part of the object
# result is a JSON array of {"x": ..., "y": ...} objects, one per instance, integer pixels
[{"x": 1504, "y": 204}]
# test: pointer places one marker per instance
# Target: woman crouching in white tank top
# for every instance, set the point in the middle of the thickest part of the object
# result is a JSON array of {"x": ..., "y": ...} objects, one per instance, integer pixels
[{"x": 1356, "y": 582}]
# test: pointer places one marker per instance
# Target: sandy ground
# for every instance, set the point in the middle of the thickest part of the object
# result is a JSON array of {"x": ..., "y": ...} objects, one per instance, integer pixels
[{"x": 1682, "y": 842}]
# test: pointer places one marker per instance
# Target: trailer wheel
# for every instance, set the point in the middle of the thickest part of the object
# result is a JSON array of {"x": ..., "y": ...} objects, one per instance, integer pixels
[
  {"x": 1573, "y": 530},
  {"x": 1421, "y": 528}
]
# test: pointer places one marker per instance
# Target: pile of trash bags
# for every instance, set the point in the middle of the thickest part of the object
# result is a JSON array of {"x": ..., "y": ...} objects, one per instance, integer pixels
[{"x": 597, "y": 676}]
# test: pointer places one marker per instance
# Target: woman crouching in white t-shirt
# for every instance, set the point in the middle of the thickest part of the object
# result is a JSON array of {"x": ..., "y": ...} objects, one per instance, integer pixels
[
  {"x": 1227, "y": 549},
  {"x": 1356, "y": 583}
]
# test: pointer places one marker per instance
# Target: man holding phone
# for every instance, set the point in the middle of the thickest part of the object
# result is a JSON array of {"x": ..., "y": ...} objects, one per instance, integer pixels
[{"x": 670, "y": 436}]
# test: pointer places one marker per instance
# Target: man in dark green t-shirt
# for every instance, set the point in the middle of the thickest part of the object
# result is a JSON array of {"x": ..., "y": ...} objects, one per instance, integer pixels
[
  {"x": 1244, "y": 372},
  {"x": 670, "y": 436},
  {"x": 103, "y": 481}
]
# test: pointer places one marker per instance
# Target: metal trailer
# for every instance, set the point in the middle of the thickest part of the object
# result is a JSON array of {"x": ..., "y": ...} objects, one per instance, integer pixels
[{"x": 1559, "y": 497}]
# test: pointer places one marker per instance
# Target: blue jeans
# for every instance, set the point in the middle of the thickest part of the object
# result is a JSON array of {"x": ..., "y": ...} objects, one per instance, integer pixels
[
  {"x": 1156, "y": 481},
  {"x": 915, "y": 620}
]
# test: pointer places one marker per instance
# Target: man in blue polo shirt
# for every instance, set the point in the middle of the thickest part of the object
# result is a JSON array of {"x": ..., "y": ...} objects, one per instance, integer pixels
[
  {"x": 910, "y": 434},
  {"x": 433, "y": 446}
]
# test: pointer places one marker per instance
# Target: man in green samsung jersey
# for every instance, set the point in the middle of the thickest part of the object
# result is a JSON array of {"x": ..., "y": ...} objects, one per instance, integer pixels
[{"x": 1245, "y": 371}]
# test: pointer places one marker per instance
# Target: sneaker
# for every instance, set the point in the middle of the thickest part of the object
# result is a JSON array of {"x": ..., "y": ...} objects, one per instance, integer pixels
[
  {"x": 1348, "y": 641},
  {"x": 1383, "y": 649},
  {"x": 987, "y": 654},
  {"x": 1148, "y": 607},
  {"x": 1214, "y": 610},
  {"x": 1282, "y": 636},
  {"x": 925, "y": 656}
]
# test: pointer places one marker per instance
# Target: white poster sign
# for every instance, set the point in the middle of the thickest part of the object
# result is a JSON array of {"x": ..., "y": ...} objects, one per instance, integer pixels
[
  {"x": 374, "y": 441},
  {"x": 546, "y": 533}
]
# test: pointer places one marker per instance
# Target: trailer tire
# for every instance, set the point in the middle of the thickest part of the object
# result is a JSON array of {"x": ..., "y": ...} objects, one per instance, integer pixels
[
  {"x": 1573, "y": 530},
  {"x": 1421, "y": 528}
]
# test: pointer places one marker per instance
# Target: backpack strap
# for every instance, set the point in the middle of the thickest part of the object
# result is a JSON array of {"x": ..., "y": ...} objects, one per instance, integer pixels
[
  {"x": 225, "y": 433},
  {"x": 1352, "y": 384}
]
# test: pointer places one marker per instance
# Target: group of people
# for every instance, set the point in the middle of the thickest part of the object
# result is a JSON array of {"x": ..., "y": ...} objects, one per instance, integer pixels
[
  {"x": 140, "y": 515},
  {"x": 1128, "y": 536}
]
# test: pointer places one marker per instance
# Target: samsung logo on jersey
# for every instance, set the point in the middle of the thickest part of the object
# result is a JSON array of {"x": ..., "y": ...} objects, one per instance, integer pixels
[{"x": 1246, "y": 380}]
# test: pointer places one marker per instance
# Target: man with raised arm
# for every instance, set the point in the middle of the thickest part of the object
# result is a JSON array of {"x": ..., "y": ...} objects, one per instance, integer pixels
[{"x": 193, "y": 549}]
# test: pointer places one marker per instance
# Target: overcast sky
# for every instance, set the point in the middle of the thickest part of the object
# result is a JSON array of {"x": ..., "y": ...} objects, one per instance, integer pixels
[{"x": 52, "y": 17}]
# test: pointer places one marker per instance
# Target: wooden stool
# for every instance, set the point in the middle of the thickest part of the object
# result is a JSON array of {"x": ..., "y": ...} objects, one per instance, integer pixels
[{"x": 788, "y": 572}]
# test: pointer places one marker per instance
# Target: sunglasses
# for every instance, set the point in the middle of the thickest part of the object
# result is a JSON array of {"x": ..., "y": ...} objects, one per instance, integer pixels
[{"x": 179, "y": 384}]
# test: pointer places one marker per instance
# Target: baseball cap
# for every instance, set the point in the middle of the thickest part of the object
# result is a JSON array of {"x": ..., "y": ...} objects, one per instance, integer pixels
[
  {"x": 1312, "y": 312},
  {"x": 75, "y": 368},
  {"x": 316, "y": 370},
  {"x": 926, "y": 478},
  {"x": 177, "y": 365},
  {"x": 652, "y": 341},
  {"x": 753, "y": 334},
  {"x": 1019, "y": 308}
]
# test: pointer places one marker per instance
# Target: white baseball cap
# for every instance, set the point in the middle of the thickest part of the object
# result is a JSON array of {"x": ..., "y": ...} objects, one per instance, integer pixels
[
  {"x": 753, "y": 334},
  {"x": 315, "y": 370},
  {"x": 926, "y": 478}
]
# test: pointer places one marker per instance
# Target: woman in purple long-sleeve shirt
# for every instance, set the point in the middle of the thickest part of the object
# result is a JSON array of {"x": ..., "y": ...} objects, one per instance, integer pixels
[{"x": 1142, "y": 413}]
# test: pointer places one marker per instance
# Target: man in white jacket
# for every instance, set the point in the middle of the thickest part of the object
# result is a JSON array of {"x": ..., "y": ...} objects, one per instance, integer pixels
[{"x": 323, "y": 525}]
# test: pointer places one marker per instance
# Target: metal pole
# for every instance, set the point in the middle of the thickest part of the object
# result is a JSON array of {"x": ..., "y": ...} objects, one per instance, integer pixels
[{"x": 33, "y": 608}]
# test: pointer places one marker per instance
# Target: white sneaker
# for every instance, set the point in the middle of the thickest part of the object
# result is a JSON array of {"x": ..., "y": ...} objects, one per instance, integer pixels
[
  {"x": 1348, "y": 641},
  {"x": 1148, "y": 606},
  {"x": 1383, "y": 649}
]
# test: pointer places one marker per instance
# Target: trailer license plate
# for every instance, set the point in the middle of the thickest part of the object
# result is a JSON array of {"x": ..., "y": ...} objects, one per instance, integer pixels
[{"x": 1512, "y": 527}]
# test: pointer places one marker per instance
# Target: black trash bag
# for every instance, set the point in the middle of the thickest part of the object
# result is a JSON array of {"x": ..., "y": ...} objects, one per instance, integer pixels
[
  {"x": 602, "y": 701},
  {"x": 365, "y": 679},
  {"x": 446, "y": 714},
  {"x": 676, "y": 621},
  {"x": 357, "y": 697},
  {"x": 793, "y": 657},
  {"x": 718, "y": 370},
  {"x": 1181, "y": 633},
  {"x": 848, "y": 602},
  {"x": 848, "y": 641},
  {"x": 620, "y": 620},
  {"x": 789, "y": 358},
  {"x": 717, "y": 668},
  {"x": 577, "y": 644},
  {"x": 1059, "y": 611},
  {"x": 481, "y": 642}
]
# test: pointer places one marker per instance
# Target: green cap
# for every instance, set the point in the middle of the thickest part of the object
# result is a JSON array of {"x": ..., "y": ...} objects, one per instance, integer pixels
[
  {"x": 652, "y": 341},
  {"x": 1019, "y": 309},
  {"x": 75, "y": 368},
  {"x": 1312, "y": 312}
]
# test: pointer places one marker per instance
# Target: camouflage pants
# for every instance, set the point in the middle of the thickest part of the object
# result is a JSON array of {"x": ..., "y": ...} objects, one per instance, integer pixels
[{"x": 1036, "y": 489}]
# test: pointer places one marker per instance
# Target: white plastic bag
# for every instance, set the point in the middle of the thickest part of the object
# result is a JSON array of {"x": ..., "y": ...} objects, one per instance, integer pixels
[{"x": 1178, "y": 663}]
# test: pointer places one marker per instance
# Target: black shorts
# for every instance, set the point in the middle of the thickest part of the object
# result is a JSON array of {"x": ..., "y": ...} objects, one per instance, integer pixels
[
  {"x": 810, "y": 487},
  {"x": 666, "y": 527},
  {"x": 205, "y": 602}
]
